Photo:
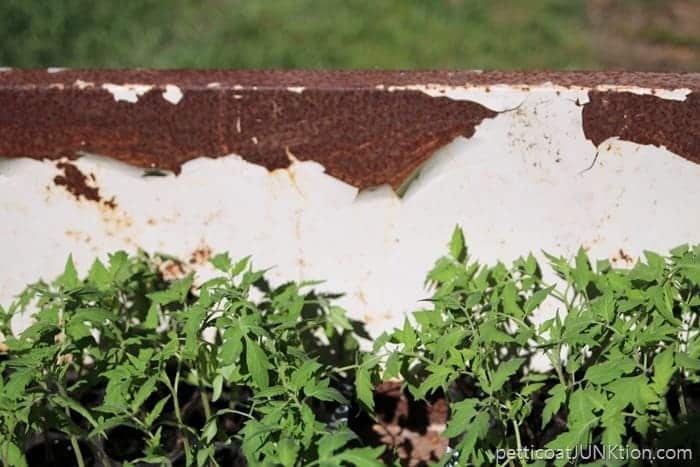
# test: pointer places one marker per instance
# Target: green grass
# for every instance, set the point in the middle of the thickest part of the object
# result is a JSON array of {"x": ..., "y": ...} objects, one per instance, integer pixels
[{"x": 408, "y": 34}]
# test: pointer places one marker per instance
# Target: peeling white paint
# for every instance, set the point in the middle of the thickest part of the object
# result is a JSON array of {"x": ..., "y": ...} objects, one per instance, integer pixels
[
  {"x": 5, "y": 68},
  {"x": 528, "y": 180},
  {"x": 297, "y": 89},
  {"x": 669, "y": 94},
  {"x": 80, "y": 84},
  {"x": 172, "y": 94},
  {"x": 54, "y": 69},
  {"x": 501, "y": 97},
  {"x": 127, "y": 92}
]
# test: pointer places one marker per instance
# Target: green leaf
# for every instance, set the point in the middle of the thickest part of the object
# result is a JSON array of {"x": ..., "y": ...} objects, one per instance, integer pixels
[
  {"x": 364, "y": 388},
  {"x": 222, "y": 262},
  {"x": 15, "y": 456},
  {"x": 69, "y": 278},
  {"x": 462, "y": 414},
  {"x": 457, "y": 250},
  {"x": 99, "y": 276},
  {"x": 331, "y": 442},
  {"x": 477, "y": 431},
  {"x": 75, "y": 406},
  {"x": 504, "y": 372},
  {"x": 686, "y": 361},
  {"x": 257, "y": 363},
  {"x": 144, "y": 392},
  {"x": 603, "y": 373},
  {"x": 537, "y": 299},
  {"x": 553, "y": 403},
  {"x": 322, "y": 392},
  {"x": 177, "y": 291},
  {"x": 489, "y": 333},
  {"x": 217, "y": 386},
  {"x": 362, "y": 457},
  {"x": 663, "y": 371},
  {"x": 157, "y": 410},
  {"x": 210, "y": 429},
  {"x": 288, "y": 451},
  {"x": 392, "y": 367}
]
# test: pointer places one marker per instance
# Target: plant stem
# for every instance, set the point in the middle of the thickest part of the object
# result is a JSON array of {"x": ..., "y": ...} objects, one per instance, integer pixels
[
  {"x": 76, "y": 448},
  {"x": 204, "y": 398},
  {"x": 516, "y": 428},
  {"x": 73, "y": 439}
]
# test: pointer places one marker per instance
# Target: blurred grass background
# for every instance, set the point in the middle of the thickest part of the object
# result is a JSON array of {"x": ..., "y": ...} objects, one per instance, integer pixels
[{"x": 406, "y": 34}]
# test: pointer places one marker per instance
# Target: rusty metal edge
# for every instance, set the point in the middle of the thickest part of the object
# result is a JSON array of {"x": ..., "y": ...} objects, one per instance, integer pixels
[{"x": 361, "y": 135}]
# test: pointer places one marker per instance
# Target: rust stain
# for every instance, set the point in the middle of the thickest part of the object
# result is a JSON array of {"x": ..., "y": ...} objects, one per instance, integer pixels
[
  {"x": 172, "y": 270},
  {"x": 80, "y": 185},
  {"x": 200, "y": 255},
  {"x": 76, "y": 183},
  {"x": 622, "y": 255},
  {"x": 645, "y": 119}
]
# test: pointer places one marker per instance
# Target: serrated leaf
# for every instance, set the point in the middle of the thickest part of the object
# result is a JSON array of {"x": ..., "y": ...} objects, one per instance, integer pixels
[
  {"x": 75, "y": 406},
  {"x": 257, "y": 363},
  {"x": 288, "y": 451},
  {"x": 664, "y": 370},
  {"x": 364, "y": 388},
  {"x": 457, "y": 250},
  {"x": 603, "y": 373},
  {"x": 504, "y": 371},
  {"x": 553, "y": 403},
  {"x": 686, "y": 361},
  {"x": 157, "y": 410},
  {"x": 362, "y": 457},
  {"x": 145, "y": 390},
  {"x": 331, "y": 442},
  {"x": 69, "y": 278}
]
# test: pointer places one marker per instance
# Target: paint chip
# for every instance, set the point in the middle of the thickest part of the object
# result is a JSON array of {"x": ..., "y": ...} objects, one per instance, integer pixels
[
  {"x": 127, "y": 92},
  {"x": 172, "y": 94}
]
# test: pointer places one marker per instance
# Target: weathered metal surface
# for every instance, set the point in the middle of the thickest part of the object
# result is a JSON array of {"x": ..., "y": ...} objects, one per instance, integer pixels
[
  {"x": 365, "y": 128},
  {"x": 645, "y": 120},
  {"x": 524, "y": 162}
]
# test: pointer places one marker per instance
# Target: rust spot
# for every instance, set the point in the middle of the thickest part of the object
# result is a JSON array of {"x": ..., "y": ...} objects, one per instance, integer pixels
[
  {"x": 622, "y": 255},
  {"x": 172, "y": 269},
  {"x": 201, "y": 255},
  {"x": 75, "y": 182},
  {"x": 645, "y": 119}
]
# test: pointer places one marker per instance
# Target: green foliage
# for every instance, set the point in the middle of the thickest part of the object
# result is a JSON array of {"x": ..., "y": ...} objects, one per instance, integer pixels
[
  {"x": 393, "y": 34},
  {"x": 620, "y": 343},
  {"x": 621, "y": 347},
  {"x": 126, "y": 333}
]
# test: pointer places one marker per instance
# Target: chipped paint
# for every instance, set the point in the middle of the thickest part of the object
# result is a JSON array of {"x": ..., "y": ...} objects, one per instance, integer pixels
[
  {"x": 297, "y": 89},
  {"x": 307, "y": 186},
  {"x": 501, "y": 98},
  {"x": 127, "y": 92},
  {"x": 172, "y": 94},
  {"x": 80, "y": 84}
]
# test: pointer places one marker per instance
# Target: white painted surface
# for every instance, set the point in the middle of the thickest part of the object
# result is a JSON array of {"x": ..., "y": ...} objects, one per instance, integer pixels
[
  {"x": 126, "y": 92},
  {"x": 525, "y": 181},
  {"x": 172, "y": 94}
]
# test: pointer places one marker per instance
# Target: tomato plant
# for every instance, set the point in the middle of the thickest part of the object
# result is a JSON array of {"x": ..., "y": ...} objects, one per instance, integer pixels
[{"x": 123, "y": 367}]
